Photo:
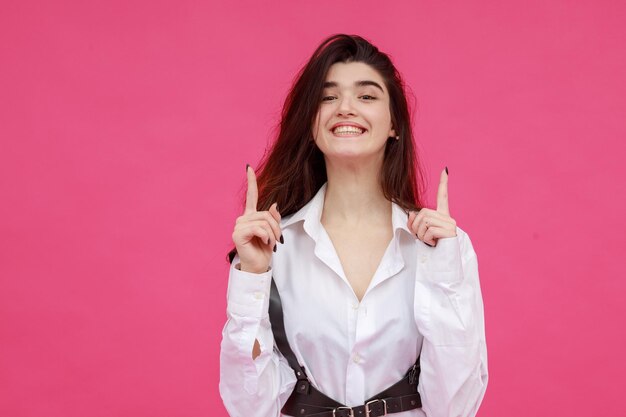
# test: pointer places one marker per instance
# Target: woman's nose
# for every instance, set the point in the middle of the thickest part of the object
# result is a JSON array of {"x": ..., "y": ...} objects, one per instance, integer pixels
[{"x": 345, "y": 106}]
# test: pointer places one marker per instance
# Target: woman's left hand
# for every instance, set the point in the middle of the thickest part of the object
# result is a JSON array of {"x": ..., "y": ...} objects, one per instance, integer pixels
[{"x": 430, "y": 225}]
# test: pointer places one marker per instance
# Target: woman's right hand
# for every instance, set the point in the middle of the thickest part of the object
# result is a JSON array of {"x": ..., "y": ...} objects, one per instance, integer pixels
[{"x": 256, "y": 232}]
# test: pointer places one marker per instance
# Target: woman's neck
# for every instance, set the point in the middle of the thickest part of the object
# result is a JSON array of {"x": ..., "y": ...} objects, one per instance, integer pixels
[{"x": 354, "y": 196}]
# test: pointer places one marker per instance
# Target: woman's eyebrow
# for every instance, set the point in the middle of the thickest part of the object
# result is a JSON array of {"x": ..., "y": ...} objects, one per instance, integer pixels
[{"x": 362, "y": 83}]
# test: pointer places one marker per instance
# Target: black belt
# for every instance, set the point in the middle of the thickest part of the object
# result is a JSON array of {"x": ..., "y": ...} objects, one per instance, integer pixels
[
  {"x": 373, "y": 408},
  {"x": 306, "y": 400}
]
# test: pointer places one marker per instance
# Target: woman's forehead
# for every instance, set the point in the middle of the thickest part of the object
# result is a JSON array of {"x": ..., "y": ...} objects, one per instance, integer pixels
[{"x": 344, "y": 74}]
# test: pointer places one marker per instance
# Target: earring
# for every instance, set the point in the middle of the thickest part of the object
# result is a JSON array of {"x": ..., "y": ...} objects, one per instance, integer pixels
[{"x": 397, "y": 137}]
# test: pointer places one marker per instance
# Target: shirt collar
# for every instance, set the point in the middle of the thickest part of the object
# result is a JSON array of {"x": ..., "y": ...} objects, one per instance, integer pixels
[{"x": 311, "y": 214}]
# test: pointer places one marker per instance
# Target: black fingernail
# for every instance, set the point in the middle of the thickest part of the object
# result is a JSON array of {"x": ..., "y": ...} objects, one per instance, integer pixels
[
  {"x": 281, "y": 239},
  {"x": 447, "y": 171},
  {"x": 274, "y": 247},
  {"x": 247, "y": 166},
  {"x": 429, "y": 244}
]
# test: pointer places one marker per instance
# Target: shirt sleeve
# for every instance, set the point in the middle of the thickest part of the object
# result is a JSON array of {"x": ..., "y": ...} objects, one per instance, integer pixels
[
  {"x": 251, "y": 387},
  {"x": 449, "y": 313}
]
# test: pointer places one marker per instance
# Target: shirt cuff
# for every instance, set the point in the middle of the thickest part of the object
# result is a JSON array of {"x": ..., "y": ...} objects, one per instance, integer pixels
[
  {"x": 445, "y": 263},
  {"x": 249, "y": 293}
]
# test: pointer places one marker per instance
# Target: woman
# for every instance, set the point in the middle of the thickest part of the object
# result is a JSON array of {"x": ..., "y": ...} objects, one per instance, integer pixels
[{"x": 381, "y": 298}]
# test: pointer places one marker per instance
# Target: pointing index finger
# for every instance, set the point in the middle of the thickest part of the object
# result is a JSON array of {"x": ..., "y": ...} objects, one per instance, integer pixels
[
  {"x": 252, "y": 195},
  {"x": 442, "y": 193}
]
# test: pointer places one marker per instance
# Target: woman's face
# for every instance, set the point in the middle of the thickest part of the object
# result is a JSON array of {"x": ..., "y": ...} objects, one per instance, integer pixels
[{"x": 356, "y": 98}]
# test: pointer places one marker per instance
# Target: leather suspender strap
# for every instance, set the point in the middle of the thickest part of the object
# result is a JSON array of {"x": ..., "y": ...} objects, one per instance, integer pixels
[
  {"x": 306, "y": 400},
  {"x": 278, "y": 327},
  {"x": 303, "y": 386}
]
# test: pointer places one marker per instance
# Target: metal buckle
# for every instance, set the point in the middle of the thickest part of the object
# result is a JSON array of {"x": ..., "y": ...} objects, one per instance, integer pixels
[
  {"x": 367, "y": 407},
  {"x": 344, "y": 408}
]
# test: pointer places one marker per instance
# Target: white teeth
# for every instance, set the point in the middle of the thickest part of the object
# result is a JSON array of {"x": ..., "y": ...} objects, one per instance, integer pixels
[{"x": 348, "y": 129}]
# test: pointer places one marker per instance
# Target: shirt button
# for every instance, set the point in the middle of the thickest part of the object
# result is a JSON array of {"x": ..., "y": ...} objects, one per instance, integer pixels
[
  {"x": 355, "y": 306},
  {"x": 356, "y": 358},
  {"x": 423, "y": 258},
  {"x": 258, "y": 295}
]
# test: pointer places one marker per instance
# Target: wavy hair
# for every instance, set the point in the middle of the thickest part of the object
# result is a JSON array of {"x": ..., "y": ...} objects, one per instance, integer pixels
[{"x": 293, "y": 169}]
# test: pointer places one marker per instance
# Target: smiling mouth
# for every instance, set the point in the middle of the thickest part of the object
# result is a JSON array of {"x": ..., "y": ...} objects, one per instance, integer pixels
[{"x": 343, "y": 133}]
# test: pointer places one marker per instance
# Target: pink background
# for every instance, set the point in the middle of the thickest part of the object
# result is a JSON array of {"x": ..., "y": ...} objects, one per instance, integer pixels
[{"x": 125, "y": 128}]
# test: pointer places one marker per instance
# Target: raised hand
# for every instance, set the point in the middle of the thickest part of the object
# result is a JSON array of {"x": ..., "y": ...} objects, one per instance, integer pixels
[
  {"x": 256, "y": 232},
  {"x": 430, "y": 225}
]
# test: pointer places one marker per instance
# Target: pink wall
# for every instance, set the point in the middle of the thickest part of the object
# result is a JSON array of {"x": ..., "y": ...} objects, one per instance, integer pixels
[{"x": 125, "y": 128}]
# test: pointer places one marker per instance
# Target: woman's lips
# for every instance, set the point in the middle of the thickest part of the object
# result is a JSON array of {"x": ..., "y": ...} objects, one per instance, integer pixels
[{"x": 348, "y": 134}]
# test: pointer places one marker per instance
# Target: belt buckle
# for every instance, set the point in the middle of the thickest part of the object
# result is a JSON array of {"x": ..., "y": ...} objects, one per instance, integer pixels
[
  {"x": 367, "y": 407},
  {"x": 344, "y": 408}
]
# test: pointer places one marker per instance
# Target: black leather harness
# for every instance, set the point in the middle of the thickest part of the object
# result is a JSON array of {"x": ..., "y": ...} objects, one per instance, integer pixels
[{"x": 307, "y": 401}]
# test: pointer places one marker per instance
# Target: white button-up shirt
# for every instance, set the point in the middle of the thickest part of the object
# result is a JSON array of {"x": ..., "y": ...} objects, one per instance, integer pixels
[{"x": 421, "y": 301}]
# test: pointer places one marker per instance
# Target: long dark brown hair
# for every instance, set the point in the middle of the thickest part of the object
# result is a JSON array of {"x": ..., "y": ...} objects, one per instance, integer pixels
[{"x": 293, "y": 169}]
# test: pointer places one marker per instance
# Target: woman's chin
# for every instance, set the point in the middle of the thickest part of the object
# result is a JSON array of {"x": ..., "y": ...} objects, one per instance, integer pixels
[
  {"x": 356, "y": 147},
  {"x": 351, "y": 153}
]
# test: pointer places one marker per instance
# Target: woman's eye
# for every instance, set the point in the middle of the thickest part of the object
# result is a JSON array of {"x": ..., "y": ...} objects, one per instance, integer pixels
[{"x": 366, "y": 97}]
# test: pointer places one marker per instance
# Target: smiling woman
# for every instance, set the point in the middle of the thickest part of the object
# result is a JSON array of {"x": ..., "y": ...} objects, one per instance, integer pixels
[{"x": 371, "y": 305}]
